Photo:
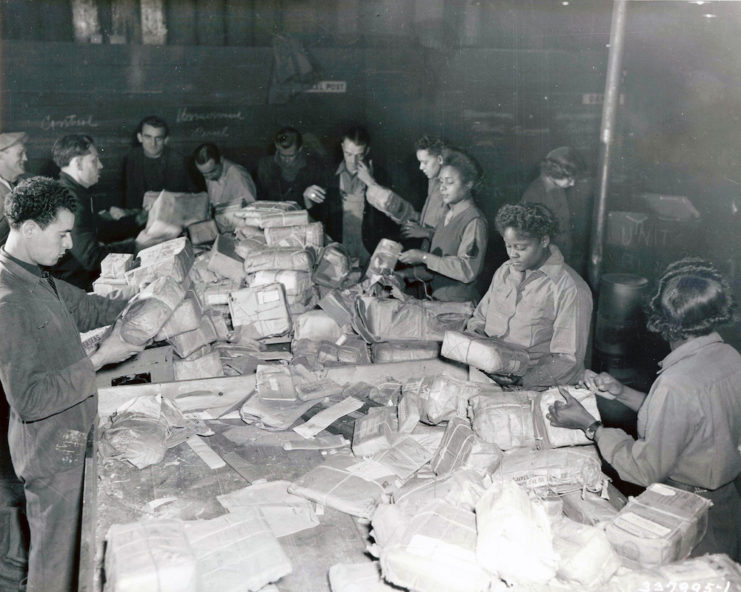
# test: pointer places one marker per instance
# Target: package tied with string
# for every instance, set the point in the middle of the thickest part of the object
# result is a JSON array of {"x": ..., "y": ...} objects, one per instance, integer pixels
[
  {"x": 386, "y": 319},
  {"x": 384, "y": 259},
  {"x": 190, "y": 342},
  {"x": 186, "y": 317},
  {"x": 272, "y": 218},
  {"x": 261, "y": 311},
  {"x": 272, "y": 258},
  {"x": 404, "y": 351},
  {"x": 299, "y": 289},
  {"x": 489, "y": 355},
  {"x": 435, "y": 550},
  {"x": 170, "y": 213},
  {"x": 224, "y": 259},
  {"x": 455, "y": 447},
  {"x": 333, "y": 266},
  {"x": 172, "y": 258},
  {"x": 661, "y": 525},
  {"x": 115, "y": 265},
  {"x": 303, "y": 236}
]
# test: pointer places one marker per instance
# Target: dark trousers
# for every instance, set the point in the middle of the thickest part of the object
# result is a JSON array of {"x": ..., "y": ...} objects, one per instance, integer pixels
[
  {"x": 724, "y": 522},
  {"x": 53, "y": 508}
]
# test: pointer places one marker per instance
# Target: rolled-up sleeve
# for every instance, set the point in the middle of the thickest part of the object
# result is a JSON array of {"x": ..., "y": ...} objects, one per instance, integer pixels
[{"x": 467, "y": 263}]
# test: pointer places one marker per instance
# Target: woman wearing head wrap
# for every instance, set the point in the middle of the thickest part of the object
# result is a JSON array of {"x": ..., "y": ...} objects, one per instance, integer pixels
[{"x": 689, "y": 424}]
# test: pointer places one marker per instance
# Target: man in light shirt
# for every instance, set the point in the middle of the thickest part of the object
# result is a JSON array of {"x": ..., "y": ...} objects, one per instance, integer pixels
[
  {"x": 226, "y": 181},
  {"x": 536, "y": 302}
]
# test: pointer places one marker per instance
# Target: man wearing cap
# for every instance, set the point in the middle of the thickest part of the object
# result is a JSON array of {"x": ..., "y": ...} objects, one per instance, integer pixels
[
  {"x": 12, "y": 165},
  {"x": 48, "y": 378}
]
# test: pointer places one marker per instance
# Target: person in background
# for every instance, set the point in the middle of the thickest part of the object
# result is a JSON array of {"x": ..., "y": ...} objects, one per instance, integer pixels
[
  {"x": 226, "y": 181},
  {"x": 558, "y": 172},
  {"x": 153, "y": 165},
  {"x": 342, "y": 205},
  {"x": 292, "y": 173},
  {"x": 536, "y": 302},
  {"x": 79, "y": 160},
  {"x": 49, "y": 381},
  {"x": 689, "y": 424},
  {"x": 458, "y": 245},
  {"x": 12, "y": 165},
  {"x": 430, "y": 153}
]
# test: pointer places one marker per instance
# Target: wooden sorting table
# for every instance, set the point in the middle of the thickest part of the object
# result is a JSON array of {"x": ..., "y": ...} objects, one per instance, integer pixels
[{"x": 183, "y": 486}]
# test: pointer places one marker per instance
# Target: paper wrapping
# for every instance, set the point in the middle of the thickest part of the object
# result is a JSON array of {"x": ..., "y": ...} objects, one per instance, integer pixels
[
  {"x": 114, "y": 288},
  {"x": 152, "y": 555},
  {"x": 661, "y": 525},
  {"x": 352, "y": 350},
  {"x": 236, "y": 552},
  {"x": 514, "y": 536},
  {"x": 172, "y": 212},
  {"x": 173, "y": 258},
  {"x": 316, "y": 325},
  {"x": 268, "y": 218},
  {"x": 187, "y": 317},
  {"x": 273, "y": 415},
  {"x": 585, "y": 555},
  {"x": 147, "y": 312},
  {"x": 306, "y": 235},
  {"x": 588, "y": 508},
  {"x": 226, "y": 216},
  {"x": 384, "y": 258},
  {"x": 403, "y": 351},
  {"x": 260, "y": 311},
  {"x": 224, "y": 259},
  {"x": 202, "y": 233},
  {"x": 246, "y": 247},
  {"x": 375, "y": 431},
  {"x": 333, "y": 266},
  {"x": 333, "y": 483},
  {"x": 557, "y": 470},
  {"x": 115, "y": 265},
  {"x": 358, "y": 577},
  {"x": 208, "y": 366},
  {"x": 455, "y": 448},
  {"x": 405, "y": 457},
  {"x": 557, "y": 437},
  {"x": 273, "y": 258},
  {"x": 443, "y": 397},
  {"x": 386, "y": 319},
  {"x": 505, "y": 419},
  {"x": 436, "y": 551},
  {"x": 300, "y": 294},
  {"x": 485, "y": 354},
  {"x": 274, "y": 383},
  {"x": 189, "y": 342}
]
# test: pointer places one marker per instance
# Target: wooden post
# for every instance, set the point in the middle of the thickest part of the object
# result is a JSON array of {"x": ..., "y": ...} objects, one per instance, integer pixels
[{"x": 125, "y": 27}]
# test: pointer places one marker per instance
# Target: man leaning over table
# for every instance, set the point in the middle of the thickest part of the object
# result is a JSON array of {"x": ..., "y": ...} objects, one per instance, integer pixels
[{"x": 48, "y": 379}]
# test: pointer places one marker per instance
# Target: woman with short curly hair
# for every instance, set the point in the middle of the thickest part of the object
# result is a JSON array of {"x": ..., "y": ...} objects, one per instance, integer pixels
[
  {"x": 536, "y": 302},
  {"x": 689, "y": 424}
]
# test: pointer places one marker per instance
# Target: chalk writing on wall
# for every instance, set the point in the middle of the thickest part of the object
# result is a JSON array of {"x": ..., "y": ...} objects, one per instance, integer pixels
[
  {"x": 67, "y": 121},
  {"x": 201, "y": 132},
  {"x": 188, "y": 116}
]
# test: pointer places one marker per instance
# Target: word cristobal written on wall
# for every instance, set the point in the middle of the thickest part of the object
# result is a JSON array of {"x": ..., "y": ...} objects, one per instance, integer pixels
[
  {"x": 67, "y": 121},
  {"x": 190, "y": 116}
]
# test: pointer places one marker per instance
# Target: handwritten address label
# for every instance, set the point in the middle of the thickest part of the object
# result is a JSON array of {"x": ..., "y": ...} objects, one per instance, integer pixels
[
  {"x": 67, "y": 121},
  {"x": 186, "y": 116}
]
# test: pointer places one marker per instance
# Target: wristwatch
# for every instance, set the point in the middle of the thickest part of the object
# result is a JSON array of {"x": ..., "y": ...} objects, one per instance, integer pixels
[{"x": 591, "y": 430}]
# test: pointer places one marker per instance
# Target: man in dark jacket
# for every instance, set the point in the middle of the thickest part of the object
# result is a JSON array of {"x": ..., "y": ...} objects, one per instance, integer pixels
[
  {"x": 48, "y": 379},
  {"x": 77, "y": 157}
]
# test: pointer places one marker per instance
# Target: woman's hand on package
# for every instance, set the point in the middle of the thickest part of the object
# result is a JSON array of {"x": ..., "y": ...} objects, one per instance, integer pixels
[
  {"x": 113, "y": 349},
  {"x": 413, "y": 256},
  {"x": 602, "y": 384},
  {"x": 569, "y": 414}
]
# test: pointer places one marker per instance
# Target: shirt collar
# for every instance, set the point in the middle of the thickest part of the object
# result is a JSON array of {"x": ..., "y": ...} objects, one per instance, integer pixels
[
  {"x": 688, "y": 349},
  {"x": 552, "y": 267},
  {"x": 29, "y": 267},
  {"x": 68, "y": 180},
  {"x": 459, "y": 207},
  {"x": 7, "y": 183}
]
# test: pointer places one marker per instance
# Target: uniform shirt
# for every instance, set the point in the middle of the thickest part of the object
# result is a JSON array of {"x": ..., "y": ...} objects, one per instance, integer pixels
[
  {"x": 234, "y": 184},
  {"x": 689, "y": 425},
  {"x": 545, "y": 311},
  {"x": 466, "y": 264},
  {"x": 5, "y": 189},
  {"x": 48, "y": 379}
]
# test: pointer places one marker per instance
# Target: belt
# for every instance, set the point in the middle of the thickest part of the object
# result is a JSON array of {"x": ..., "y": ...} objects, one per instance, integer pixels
[{"x": 685, "y": 487}]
